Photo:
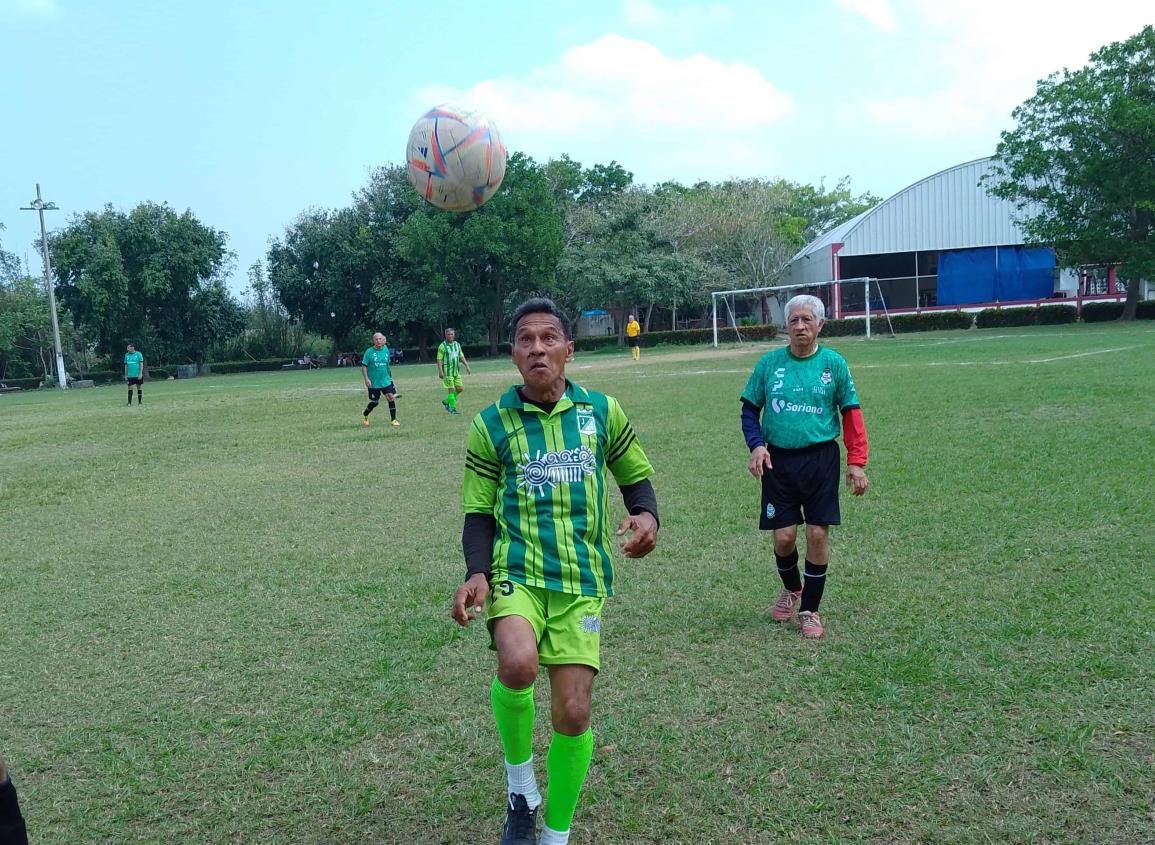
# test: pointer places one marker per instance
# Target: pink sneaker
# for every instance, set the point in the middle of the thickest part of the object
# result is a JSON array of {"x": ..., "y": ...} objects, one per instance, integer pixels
[
  {"x": 811, "y": 624},
  {"x": 784, "y": 607}
]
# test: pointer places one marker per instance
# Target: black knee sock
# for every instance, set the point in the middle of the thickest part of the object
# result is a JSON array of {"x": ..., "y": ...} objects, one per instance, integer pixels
[
  {"x": 815, "y": 584},
  {"x": 12, "y": 830},
  {"x": 788, "y": 571},
  {"x": 130, "y": 396},
  {"x": 139, "y": 397},
  {"x": 392, "y": 410},
  {"x": 369, "y": 409}
]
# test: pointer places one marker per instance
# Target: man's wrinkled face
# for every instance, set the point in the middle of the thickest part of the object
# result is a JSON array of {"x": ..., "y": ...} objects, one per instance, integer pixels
[
  {"x": 378, "y": 341},
  {"x": 541, "y": 349},
  {"x": 803, "y": 327}
]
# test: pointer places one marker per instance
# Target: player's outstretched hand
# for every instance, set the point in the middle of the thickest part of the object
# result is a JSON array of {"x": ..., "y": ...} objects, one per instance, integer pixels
[
  {"x": 759, "y": 461},
  {"x": 856, "y": 480},
  {"x": 469, "y": 599},
  {"x": 644, "y": 537}
]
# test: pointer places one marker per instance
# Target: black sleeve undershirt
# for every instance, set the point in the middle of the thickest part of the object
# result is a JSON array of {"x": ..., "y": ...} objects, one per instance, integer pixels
[{"x": 481, "y": 528}]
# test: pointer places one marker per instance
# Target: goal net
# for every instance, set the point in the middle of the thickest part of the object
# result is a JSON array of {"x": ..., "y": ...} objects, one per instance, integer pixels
[{"x": 858, "y": 298}]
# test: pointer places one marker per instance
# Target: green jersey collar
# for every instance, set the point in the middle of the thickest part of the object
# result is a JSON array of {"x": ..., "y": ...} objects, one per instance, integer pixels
[{"x": 574, "y": 394}]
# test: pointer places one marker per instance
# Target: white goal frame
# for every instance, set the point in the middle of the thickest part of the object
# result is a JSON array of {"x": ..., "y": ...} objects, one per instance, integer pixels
[{"x": 728, "y": 295}]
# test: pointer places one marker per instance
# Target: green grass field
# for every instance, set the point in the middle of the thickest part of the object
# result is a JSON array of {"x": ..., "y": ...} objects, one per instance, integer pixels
[{"x": 225, "y": 612}]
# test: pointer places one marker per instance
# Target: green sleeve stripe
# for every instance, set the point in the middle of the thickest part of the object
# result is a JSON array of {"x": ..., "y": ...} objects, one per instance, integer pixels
[
  {"x": 494, "y": 465},
  {"x": 483, "y": 473},
  {"x": 623, "y": 445}
]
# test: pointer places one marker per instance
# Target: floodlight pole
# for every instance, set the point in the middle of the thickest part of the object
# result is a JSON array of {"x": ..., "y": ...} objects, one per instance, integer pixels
[{"x": 40, "y": 206}]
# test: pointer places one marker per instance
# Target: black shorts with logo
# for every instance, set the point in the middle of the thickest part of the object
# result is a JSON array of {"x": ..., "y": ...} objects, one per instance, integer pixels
[
  {"x": 375, "y": 392},
  {"x": 802, "y": 487},
  {"x": 137, "y": 380},
  {"x": 631, "y": 341}
]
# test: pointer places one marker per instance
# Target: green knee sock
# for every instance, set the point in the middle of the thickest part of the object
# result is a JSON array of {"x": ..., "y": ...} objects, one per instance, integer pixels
[
  {"x": 513, "y": 712},
  {"x": 567, "y": 763},
  {"x": 452, "y": 399}
]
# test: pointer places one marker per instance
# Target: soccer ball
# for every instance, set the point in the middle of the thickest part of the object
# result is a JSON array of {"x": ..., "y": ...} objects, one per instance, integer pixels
[{"x": 456, "y": 158}]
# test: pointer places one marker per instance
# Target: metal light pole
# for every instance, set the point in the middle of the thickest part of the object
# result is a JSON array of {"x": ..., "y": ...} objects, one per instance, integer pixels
[{"x": 41, "y": 206}]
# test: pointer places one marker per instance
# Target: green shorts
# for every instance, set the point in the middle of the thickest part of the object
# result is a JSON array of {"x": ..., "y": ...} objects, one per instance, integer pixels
[
  {"x": 452, "y": 382},
  {"x": 568, "y": 627}
]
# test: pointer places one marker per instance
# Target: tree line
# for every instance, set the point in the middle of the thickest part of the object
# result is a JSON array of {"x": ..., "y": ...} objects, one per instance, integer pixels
[{"x": 590, "y": 237}]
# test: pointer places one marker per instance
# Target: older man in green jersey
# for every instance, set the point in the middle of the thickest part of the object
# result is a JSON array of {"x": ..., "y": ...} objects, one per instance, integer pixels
[
  {"x": 134, "y": 372},
  {"x": 537, "y": 532},
  {"x": 450, "y": 357},
  {"x": 790, "y": 419},
  {"x": 378, "y": 379}
]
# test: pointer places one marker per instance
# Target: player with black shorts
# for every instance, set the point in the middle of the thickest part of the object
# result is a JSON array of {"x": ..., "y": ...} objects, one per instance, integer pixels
[
  {"x": 790, "y": 419},
  {"x": 378, "y": 379},
  {"x": 134, "y": 373}
]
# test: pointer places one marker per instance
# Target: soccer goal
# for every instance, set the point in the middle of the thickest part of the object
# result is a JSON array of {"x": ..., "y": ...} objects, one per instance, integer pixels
[{"x": 774, "y": 298}]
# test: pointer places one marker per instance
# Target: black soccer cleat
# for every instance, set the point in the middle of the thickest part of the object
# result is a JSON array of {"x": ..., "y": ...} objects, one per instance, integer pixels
[{"x": 520, "y": 822}]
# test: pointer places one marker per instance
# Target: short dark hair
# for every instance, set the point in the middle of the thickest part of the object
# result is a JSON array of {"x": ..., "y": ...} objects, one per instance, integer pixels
[{"x": 540, "y": 305}]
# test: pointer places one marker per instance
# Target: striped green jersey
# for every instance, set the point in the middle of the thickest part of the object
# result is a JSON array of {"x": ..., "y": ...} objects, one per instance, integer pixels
[
  {"x": 543, "y": 478},
  {"x": 449, "y": 354}
]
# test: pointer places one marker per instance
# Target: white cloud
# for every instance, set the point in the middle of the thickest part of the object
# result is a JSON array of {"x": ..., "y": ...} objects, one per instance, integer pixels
[
  {"x": 644, "y": 13},
  {"x": 685, "y": 21},
  {"x": 663, "y": 112},
  {"x": 33, "y": 8},
  {"x": 989, "y": 55},
  {"x": 878, "y": 12}
]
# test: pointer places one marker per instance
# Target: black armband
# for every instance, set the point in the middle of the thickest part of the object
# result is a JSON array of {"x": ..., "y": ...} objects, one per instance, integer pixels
[
  {"x": 641, "y": 497},
  {"x": 477, "y": 543}
]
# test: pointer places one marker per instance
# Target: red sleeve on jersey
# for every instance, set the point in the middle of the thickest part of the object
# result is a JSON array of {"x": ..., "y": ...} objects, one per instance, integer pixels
[{"x": 854, "y": 435}]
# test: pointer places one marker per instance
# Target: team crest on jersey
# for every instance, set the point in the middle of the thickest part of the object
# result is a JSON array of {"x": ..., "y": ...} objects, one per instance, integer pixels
[
  {"x": 549, "y": 469},
  {"x": 586, "y": 422},
  {"x": 827, "y": 376}
]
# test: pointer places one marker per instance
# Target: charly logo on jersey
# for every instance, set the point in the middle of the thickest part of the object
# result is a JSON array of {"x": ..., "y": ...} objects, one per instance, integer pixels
[
  {"x": 780, "y": 405},
  {"x": 586, "y": 423},
  {"x": 780, "y": 376},
  {"x": 549, "y": 469}
]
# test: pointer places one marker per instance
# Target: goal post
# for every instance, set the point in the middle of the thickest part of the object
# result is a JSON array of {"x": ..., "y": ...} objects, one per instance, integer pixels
[{"x": 832, "y": 300}]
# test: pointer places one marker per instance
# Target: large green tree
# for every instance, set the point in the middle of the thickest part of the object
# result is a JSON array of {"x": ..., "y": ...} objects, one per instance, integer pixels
[
  {"x": 1080, "y": 164},
  {"x": 151, "y": 276},
  {"x": 484, "y": 260}
]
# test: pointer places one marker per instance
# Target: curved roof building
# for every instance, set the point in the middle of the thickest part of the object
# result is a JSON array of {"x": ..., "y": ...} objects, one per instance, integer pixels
[{"x": 941, "y": 242}]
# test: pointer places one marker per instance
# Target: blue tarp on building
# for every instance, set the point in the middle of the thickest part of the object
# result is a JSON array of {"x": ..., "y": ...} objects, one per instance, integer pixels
[{"x": 995, "y": 274}]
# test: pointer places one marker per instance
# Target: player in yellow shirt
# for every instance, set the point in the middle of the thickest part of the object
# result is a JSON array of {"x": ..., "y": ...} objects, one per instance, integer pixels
[{"x": 633, "y": 330}]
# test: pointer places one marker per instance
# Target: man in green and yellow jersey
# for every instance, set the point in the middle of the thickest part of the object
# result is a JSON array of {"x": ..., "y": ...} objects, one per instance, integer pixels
[
  {"x": 450, "y": 357},
  {"x": 134, "y": 373},
  {"x": 379, "y": 379},
  {"x": 537, "y": 541},
  {"x": 790, "y": 419}
]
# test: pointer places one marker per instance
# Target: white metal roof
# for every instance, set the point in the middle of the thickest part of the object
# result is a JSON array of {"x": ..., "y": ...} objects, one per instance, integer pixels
[{"x": 948, "y": 210}]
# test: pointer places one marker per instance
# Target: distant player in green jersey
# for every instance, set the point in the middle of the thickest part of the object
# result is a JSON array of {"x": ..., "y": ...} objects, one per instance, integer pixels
[
  {"x": 134, "y": 373},
  {"x": 798, "y": 392},
  {"x": 537, "y": 543},
  {"x": 379, "y": 379},
  {"x": 450, "y": 357}
]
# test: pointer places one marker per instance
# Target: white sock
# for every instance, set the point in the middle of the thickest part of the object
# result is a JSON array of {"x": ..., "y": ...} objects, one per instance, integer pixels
[
  {"x": 549, "y": 836},
  {"x": 522, "y": 782}
]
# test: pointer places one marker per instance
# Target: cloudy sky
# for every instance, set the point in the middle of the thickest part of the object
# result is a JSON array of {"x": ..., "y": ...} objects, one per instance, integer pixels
[{"x": 249, "y": 112}]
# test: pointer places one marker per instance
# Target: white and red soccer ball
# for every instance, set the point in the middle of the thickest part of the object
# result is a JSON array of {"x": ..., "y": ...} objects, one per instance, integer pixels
[{"x": 455, "y": 157}]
